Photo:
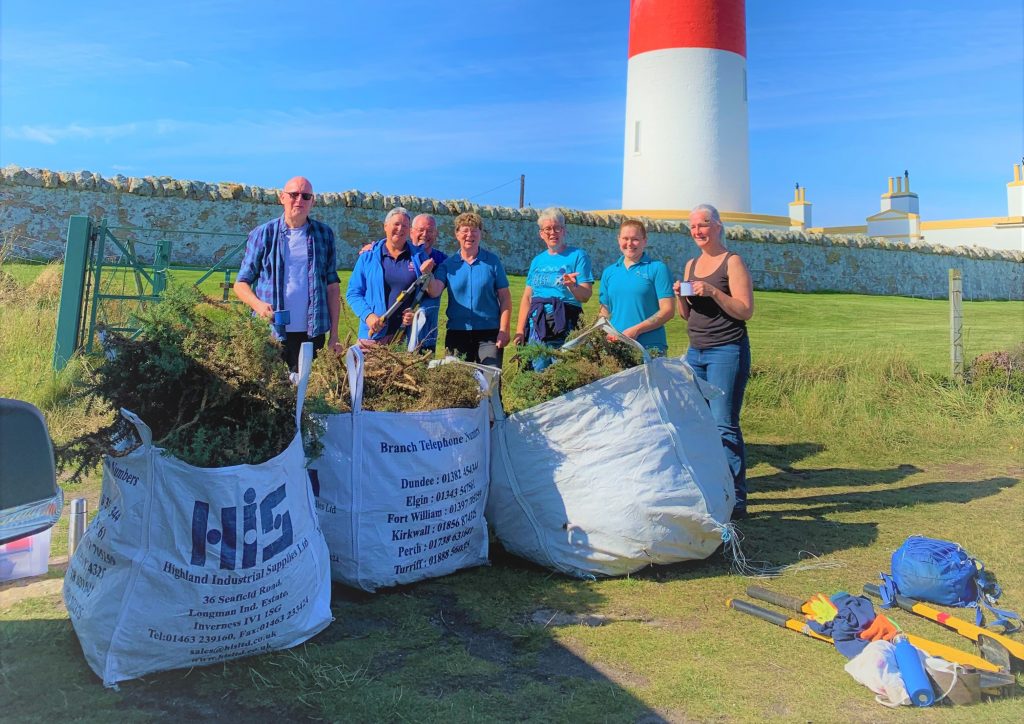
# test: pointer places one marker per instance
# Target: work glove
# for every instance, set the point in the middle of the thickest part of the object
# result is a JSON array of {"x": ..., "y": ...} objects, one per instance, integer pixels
[
  {"x": 819, "y": 608},
  {"x": 881, "y": 629}
]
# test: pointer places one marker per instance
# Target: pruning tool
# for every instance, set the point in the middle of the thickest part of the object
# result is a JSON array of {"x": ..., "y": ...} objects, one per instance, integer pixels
[
  {"x": 416, "y": 290},
  {"x": 995, "y": 674},
  {"x": 994, "y": 646}
]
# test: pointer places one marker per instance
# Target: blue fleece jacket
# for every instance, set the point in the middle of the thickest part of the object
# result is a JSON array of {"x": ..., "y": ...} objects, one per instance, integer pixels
[{"x": 365, "y": 293}]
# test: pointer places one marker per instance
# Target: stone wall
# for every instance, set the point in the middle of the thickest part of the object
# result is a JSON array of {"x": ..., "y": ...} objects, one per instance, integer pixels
[{"x": 35, "y": 206}]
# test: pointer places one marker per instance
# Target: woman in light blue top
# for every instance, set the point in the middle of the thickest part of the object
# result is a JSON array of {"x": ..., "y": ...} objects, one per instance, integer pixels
[{"x": 559, "y": 275}]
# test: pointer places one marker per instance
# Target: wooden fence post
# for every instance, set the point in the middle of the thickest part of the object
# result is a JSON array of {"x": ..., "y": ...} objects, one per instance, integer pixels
[{"x": 956, "y": 324}]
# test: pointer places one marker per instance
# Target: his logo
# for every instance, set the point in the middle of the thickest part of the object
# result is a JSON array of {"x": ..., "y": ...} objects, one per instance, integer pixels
[{"x": 227, "y": 536}]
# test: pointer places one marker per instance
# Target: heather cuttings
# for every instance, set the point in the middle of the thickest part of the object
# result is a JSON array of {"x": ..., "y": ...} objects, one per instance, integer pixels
[
  {"x": 592, "y": 358},
  {"x": 207, "y": 378},
  {"x": 394, "y": 380}
]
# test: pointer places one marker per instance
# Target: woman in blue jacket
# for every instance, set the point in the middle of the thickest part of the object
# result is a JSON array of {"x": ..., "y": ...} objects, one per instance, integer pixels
[{"x": 381, "y": 273}]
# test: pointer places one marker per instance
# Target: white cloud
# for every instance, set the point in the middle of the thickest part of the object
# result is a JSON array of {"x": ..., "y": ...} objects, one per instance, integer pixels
[
  {"x": 63, "y": 58},
  {"x": 51, "y": 135},
  {"x": 385, "y": 141}
]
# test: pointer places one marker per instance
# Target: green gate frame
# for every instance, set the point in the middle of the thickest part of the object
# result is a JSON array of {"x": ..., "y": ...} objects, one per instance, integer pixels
[{"x": 84, "y": 269}]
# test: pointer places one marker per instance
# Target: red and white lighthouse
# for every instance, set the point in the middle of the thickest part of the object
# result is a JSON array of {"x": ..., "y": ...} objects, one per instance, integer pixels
[{"x": 686, "y": 106}]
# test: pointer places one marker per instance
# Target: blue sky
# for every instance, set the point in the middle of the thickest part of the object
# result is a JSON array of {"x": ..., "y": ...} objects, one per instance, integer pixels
[{"x": 452, "y": 99}]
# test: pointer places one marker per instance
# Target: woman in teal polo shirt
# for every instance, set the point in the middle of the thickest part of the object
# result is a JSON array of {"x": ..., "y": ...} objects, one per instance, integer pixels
[{"x": 636, "y": 291}]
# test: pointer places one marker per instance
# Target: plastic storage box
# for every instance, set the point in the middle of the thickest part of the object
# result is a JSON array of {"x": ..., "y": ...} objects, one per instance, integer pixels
[{"x": 25, "y": 557}]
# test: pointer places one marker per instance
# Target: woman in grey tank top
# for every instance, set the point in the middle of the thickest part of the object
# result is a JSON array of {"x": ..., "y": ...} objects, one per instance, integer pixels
[{"x": 716, "y": 299}]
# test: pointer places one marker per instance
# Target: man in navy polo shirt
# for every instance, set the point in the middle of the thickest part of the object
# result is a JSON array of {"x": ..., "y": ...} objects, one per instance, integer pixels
[
  {"x": 389, "y": 266},
  {"x": 424, "y": 236}
]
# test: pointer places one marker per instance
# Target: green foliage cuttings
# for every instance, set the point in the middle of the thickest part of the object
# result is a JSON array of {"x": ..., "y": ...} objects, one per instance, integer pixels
[
  {"x": 208, "y": 380},
  {"x": 394, "y": 380},
  {"x": 1003, "y": 370},
  {"x": 595, "y": 358}
]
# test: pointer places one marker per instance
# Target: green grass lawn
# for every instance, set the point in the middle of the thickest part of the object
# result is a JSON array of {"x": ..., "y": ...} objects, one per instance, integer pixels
[
  {"x": 855, "y": 440},
  {"x": 788, "y": 325}
]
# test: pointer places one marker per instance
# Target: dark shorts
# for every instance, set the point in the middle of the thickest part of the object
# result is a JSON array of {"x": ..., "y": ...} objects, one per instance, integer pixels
[
  {"x": 572, "y": 322},
  {"x": 475, "y": 345},
  {"x": 293, "y": 343}
]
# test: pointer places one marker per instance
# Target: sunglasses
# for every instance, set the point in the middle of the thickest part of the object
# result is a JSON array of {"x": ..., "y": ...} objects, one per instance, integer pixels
[{"x": 296, "y": 194}]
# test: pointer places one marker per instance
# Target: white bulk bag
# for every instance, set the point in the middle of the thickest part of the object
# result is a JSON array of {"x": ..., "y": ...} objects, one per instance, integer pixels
[
  {"x": 613, "y": 476},
  {"x": 401, "y": 495},
  {"x": 184, "y": 566}
]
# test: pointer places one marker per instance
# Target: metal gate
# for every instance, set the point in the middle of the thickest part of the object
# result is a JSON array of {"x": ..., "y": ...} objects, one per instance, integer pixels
[{"x": 112, "y": 272}]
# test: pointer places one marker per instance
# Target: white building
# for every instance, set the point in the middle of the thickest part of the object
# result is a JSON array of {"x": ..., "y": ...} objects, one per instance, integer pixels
[{"x": 899, "y": 220}]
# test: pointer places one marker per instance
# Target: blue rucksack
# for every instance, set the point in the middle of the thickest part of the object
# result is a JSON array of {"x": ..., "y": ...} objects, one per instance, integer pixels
[{"x": 942, "y": 572}]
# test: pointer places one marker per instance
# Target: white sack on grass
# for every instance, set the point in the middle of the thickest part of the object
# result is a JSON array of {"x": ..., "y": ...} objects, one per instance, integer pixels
[
  {"x": 185, "y": 566},
  {"x": 616, "y": 475},
  {"x": 876, "y": 668},
  {"x": 401, "y": 495}
]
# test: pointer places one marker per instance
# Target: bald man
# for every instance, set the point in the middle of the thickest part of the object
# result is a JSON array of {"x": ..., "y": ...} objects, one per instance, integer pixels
[
  {"x": 424, "y": 235},
  {"x": 289, "y": 275}
]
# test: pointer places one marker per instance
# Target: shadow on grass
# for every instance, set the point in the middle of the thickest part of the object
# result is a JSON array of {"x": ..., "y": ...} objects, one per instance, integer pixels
[
  {"x": 829, "y": 477},
  {"x": 474, "y": 645},
  {"x": 44, "y": 677},
  {"x": 787, "y": 535},
  {"x": 921, "y": 493},
  {"x": 784, "y": 456},
  {"x": 774, "y": 539},
  {"x": 479, "y": 644},
  {"x": 424, "y": 652},
  {"x": 781, "y": 456}
]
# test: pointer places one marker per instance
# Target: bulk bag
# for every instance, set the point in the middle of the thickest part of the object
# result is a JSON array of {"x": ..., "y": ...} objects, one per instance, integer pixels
[
  {"x": 184, "y": 566},
  {"x": 401, "y": 495},
  {"x": 613, "y": 476}
]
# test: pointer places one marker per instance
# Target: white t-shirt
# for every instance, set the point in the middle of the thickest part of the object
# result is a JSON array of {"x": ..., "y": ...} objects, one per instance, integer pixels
[{"x": 296, "y": 286}]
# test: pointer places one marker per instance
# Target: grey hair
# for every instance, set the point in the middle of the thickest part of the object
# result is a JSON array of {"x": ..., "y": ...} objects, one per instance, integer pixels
[
  {"x": 424, "y": 216},
  {"x": 396, "y": 211},
  {"x": 551, "y": 213},
  {"x": 710, "y": 210}
]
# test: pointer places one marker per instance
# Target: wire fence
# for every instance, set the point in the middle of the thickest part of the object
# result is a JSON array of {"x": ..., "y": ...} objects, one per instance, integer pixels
[
  {"x": 29, "y": 250},
  {"x": 148, "y": 242}
]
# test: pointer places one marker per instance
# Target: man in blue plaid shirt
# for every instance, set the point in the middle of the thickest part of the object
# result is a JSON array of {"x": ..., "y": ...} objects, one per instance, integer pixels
[{"x": 291, "y": 263}]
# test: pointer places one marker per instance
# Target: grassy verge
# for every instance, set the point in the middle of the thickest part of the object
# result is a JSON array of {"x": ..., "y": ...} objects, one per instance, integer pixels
[
  {"x": 810, "y": 327},
  {"x": 853, "y": 446}
]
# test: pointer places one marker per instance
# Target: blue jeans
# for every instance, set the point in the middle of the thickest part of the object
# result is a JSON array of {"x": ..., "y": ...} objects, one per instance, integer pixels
[{"x": 728, "y": 368}]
